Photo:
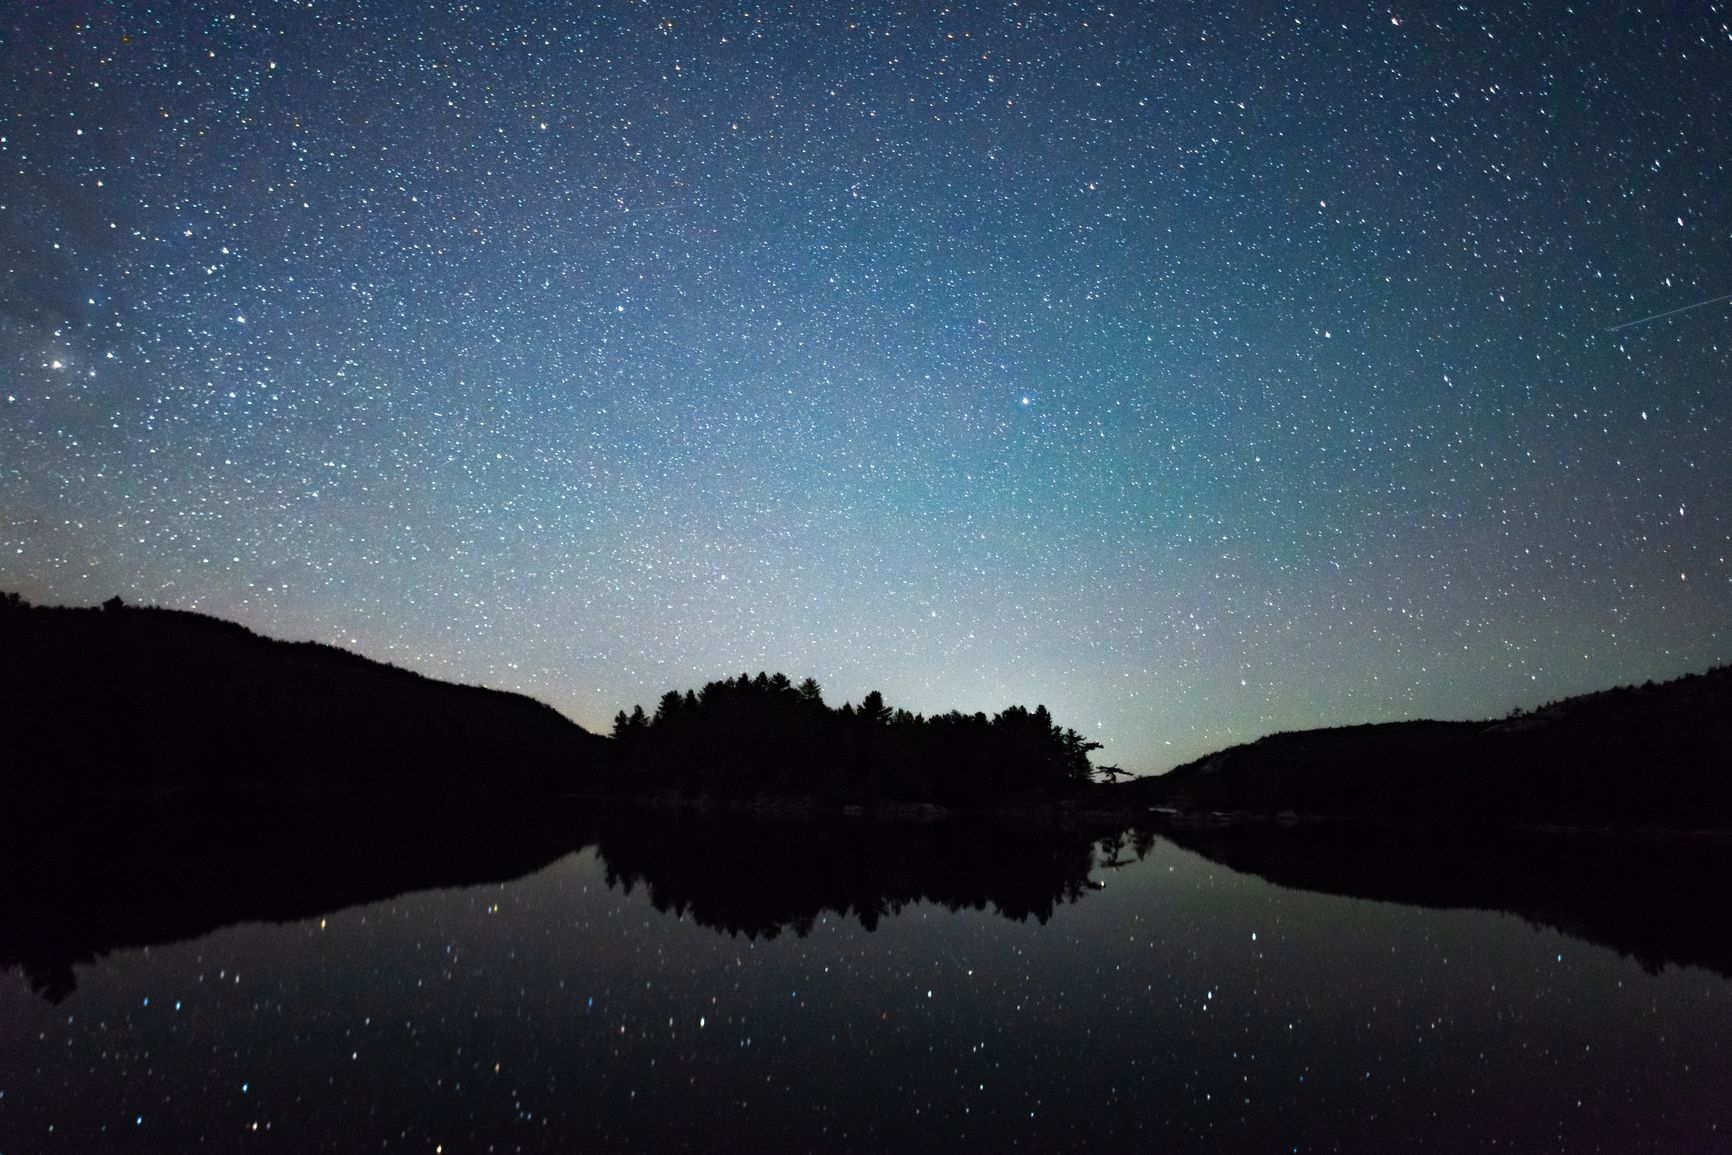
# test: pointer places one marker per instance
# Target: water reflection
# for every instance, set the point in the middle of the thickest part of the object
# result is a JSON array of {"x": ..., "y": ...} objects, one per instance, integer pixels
[
  {"x": 758, "y": 878},
  {"x": 703, "y": 982},
  {"x": 1651, "y": 897},
  {"x": 81, "y": 888},
  {"x": 120, "y": 882}
]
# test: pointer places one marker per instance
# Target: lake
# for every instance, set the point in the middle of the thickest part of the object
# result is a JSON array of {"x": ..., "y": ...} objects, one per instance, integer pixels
[{"x": 722, "y": 984}]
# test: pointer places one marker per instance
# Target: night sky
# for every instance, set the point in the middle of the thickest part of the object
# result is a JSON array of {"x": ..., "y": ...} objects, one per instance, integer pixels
[{"x": 1196, "y": 370}]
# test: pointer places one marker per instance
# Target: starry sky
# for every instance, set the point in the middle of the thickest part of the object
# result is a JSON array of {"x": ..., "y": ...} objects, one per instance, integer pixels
[{"x": 1197, "y": 370}]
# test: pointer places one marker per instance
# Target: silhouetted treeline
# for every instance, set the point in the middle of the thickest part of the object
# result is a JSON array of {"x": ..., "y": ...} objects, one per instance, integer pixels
[
  {"x": 124, "y": 702},
  {"x": 766, "y": 735},
  {"x": 152, "y": 703},
  {"x": 1632, "y": 756}
]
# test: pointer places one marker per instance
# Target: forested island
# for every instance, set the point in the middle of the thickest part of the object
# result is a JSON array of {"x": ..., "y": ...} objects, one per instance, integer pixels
[{"x": 763, "y": 735}]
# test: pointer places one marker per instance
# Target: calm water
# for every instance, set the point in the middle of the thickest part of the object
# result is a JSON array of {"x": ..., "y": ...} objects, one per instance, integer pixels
[{"x": 1182, "y": 1007}]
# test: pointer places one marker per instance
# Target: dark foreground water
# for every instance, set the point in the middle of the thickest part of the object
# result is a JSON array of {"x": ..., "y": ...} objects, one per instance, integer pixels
[{"x": 1183, "y": 1006}]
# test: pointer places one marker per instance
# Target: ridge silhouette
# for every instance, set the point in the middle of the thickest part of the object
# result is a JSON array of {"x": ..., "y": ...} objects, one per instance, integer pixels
[
  {"x": 156, "y": 703},
  {"x": 1650, "y": 755}
]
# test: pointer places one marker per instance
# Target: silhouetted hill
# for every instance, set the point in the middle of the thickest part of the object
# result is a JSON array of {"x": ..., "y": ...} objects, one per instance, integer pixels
[
  {"x": 1633, "y": 756},
  {"x": 151, "y": 703}
]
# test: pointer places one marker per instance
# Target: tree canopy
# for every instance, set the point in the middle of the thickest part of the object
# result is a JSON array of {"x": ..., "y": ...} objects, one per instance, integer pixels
[{"x": 767, "y": 735}]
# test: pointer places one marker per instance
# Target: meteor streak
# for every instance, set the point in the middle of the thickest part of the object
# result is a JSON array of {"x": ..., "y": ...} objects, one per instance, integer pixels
[{"x": 1669, "y": 312}]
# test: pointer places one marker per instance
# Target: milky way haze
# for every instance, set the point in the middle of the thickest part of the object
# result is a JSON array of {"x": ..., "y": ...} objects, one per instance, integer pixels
[{"x": 1197, "y": 372}]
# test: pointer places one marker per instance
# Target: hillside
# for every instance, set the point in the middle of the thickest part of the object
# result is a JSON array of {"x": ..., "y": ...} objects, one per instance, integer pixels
[
  {"x": 1632, "y": 756},
  {"x": 123, "y": 702}
]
